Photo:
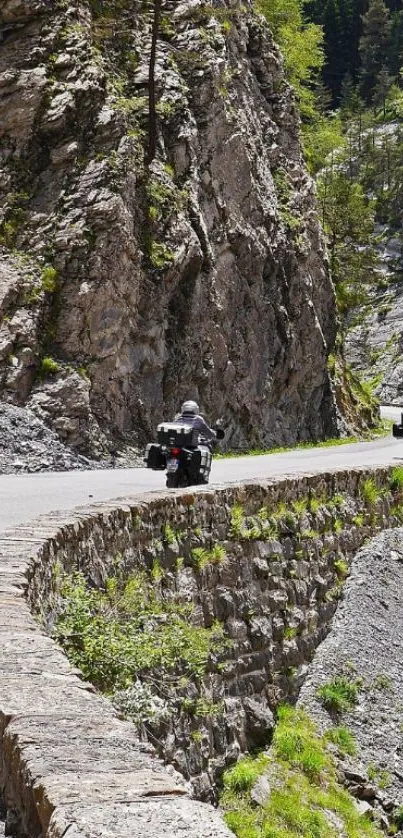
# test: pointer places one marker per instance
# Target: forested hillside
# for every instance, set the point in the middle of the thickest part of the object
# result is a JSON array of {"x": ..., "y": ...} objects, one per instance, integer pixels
[
  {"x": 344, "y": 58},
  {"x": 363, "y": 43}
]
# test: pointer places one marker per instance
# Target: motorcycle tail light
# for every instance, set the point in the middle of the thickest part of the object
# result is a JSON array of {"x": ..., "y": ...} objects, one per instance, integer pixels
[{"x": 175, "y": 452}]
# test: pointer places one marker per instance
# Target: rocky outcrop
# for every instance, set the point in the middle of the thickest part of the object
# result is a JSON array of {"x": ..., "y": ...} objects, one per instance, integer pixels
[{"x": 200, "y": 275}]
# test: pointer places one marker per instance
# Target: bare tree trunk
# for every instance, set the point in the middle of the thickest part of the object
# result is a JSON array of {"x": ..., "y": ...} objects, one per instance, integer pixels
[{"x": 152, "y": 115}]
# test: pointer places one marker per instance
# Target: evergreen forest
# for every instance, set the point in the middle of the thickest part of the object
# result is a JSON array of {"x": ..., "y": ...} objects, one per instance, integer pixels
[{"x": 344, "y": 59}]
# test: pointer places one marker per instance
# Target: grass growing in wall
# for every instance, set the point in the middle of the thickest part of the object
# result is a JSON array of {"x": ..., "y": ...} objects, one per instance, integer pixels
[
  {"x": 396, "y": 479},
  {"x": 48, "y": 367},
  {"x": 369, "y": 492},
  {"x": 305, "y": 800},
  {"x": 201, "y": 558}
]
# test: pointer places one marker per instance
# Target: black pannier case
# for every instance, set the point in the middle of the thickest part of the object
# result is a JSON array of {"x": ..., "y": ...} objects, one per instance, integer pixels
[
  {"x": 155, "y": 458},
  {"x": 175, "y": 435}
]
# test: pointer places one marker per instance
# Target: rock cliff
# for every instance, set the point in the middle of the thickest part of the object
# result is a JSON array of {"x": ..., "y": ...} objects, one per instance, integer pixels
[{"x": 125, "y": 287}]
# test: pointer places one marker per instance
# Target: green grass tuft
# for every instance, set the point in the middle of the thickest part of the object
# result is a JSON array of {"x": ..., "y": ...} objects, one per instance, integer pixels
[
  {"x": 201, "y": 557},
  {"x": 396, "y": 479},
  {"x": 49, "y": 279},
  {"x": 48, "y": 367},
  {"x": 340, "y": 694},
  {"x": 343, "y": 739},
  {"x": 369, "y": 492},
  {"x": 342, "y": 569},
  {"x": 244, "y": 774}
]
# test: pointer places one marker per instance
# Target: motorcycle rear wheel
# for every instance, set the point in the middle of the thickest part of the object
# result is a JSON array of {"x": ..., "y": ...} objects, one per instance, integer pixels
[{"x": 178, "y": 480}]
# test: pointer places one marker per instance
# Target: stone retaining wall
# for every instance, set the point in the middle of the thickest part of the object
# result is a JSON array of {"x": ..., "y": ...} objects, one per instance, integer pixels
[{"x": 67, "y": 762}]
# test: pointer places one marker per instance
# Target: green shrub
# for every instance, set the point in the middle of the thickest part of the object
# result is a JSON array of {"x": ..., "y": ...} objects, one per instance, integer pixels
[
  {"x": 128, "y": 630},
  {"x": 340, "y": 694},
  {"x": 49, "y": 279},
  {"x": 48, "y": 367}
]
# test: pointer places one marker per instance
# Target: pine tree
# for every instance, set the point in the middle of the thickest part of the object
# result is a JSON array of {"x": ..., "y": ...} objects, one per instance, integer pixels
[
  {"x": 374, "y": 45},
  {"x": 348, "y": 219},
  {"x": 333, "y": 29},
  {"x": 342, "y": 24},
  {"x": 381, "y": 90},
  {"x": 396, "y": 44}
]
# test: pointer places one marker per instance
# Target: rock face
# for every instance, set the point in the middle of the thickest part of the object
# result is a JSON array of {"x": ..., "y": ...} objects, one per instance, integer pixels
[
  {"x": 365, "y": 645},
  {"x": 202, "y": 275}
]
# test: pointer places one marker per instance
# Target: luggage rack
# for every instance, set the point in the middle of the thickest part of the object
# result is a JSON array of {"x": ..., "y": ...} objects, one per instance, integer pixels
[{"x": 175, "y": 435}]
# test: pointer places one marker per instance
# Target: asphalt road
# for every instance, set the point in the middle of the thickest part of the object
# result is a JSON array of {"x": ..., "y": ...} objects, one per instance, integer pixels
[{"x": 25, "y": 496}]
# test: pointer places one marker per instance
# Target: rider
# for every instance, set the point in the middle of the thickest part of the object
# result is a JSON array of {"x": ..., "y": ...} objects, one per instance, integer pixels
[
  {"x": 190, "y": 415},
  {"x": 203, "y": 436}
]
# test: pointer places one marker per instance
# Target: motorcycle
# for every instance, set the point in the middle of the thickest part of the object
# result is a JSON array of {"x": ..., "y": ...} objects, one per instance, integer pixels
[
  {"x": 186, "y": 464},
  {"x": 397, "y": 430}
]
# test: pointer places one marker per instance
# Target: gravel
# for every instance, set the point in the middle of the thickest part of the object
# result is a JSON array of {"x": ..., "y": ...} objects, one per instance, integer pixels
[
  {"x": 365, "y": 643},
  {"x": 27, "y": 445}
]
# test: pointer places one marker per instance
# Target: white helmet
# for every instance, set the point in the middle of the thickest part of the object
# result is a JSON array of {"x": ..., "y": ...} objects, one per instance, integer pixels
[{"x": 190, "y": 407}]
